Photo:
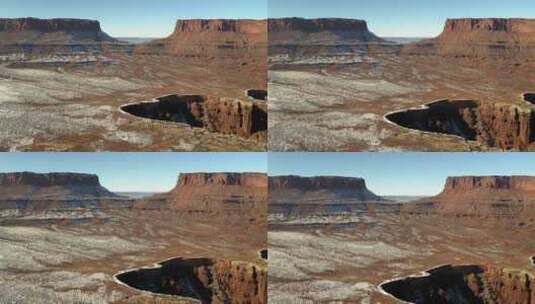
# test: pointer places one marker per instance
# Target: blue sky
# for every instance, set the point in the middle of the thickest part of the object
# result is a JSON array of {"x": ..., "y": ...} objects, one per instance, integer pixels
[
  {"x": 135, "y": 18},
  {"x": 402, "y": 18},
  {"x": 150, "y": 172},
  {"x": 402, "y": 173}
]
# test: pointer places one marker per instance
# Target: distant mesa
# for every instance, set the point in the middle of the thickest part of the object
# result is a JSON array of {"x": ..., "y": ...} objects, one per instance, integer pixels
[
  {"x": 22, "y": 190},
  {"x": 53, "y": 36},
  {"x": 323, "y": 31},
  {"x": 213, "y": 39},
  {"x": 481, "y": 38},
  {"x": 214, "y": 193},
  {"x": 319, "y": 190},
  {"x": 481, "y": 196}
]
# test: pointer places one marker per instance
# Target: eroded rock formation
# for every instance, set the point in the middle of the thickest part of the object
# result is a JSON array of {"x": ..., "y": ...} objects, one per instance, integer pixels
[
  {"x": 481, "y": 38},
  {"x": 226, "y": 116},
  {"x": 33, "y": 191},
  {"x": 323, "y": 194},
  {"x": 244, "y": 193},
  {"x": 481, "y": 196},
  {"x": 504, "y": 126},
  {"x": 465, "y": 284},
  {"x": 213, "y": 39},
  {"x": 206, "y": 280},
  {"x": 43, "y": 36}
]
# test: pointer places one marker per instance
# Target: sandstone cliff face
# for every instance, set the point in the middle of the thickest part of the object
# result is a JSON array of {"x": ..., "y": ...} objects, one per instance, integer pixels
[
  {"x": 26, "y": 190},
  {"x": 207, "y": 280},
  {"x": 228, "y": 116},
  {"x": 215, "y": 193},
  {"x": 213, "y": 39},
  {"x": 501, "y": 196},
  {"x": 465, "y": 284},
  {"x": 481, "y": 38},
  {"x": 504, "y": 126}
]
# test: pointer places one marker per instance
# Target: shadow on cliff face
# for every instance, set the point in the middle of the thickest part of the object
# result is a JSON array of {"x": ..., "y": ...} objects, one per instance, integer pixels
[
  {"x": 205, "y": 280},
  {"x": 221, "y": 116},
  {"x": 257, "y": 94},
  {"x": 264, "y": 254},
  {"x": 501, "y": 126},
  {"x": 464, "y": 284},
  {"x": 530, "y": 97}
]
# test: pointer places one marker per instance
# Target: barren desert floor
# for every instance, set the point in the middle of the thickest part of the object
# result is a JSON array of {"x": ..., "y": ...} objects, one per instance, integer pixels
[
  {"x": 338, "y": 102},
  {"x": 51, "y": 107},
  {"x": 74, "y": 261},
  {"x": 346, "y": 264}
]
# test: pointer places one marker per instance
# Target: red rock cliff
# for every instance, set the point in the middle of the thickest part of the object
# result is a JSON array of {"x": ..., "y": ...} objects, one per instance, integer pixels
[{"x": 316, "y": 183}]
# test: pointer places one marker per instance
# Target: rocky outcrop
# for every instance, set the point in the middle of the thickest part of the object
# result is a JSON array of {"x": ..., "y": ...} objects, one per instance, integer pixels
[
  {"x": 205, "y": 280},
  {"x": 465, "y": 284},
  {"x": 504, "y": 126},
  {"x": 322, "y": 194},
  {"x": 244, "y": 118},
  {"x": 509, "y": 196},
  {"x": 481, "y": 38},
  {"x": 220, "y": 39},
  {"x": 29, "y": 191},
  {"x": 34, "y": 36},
  {"x": 215, "y": 193}
]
